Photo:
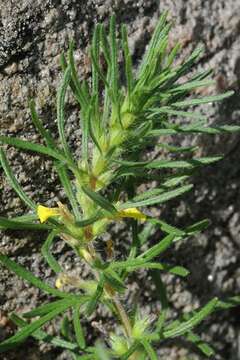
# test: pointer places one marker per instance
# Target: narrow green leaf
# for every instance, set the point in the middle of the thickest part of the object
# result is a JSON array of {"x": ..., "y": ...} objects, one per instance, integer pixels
[
  {"x": 107, "y": 55},
  {"x": 66, "y": 327},
  {"x": 13, "y": 181},
  {"x": 86, "y": 90},
  {"x": 130, "y": 351},
  {"x": 158, "y": 248},
  {"x": 132, "y": 163},
  {"x": 135, "y": 264},
  {"x": 202, "y": 74},
  {"x": 97, "y": 68},
  {"x": 191, "y": 85},
  {"x": 62, "y": 172},
  {"x": 26, "y": 145},
  {"x": 39, "y": 126},
  {"x": 127, "y": 60},
  {"x": 177, "y": 270},
  {"x": 174, "y": 180},
  {"x": 153, "y": 336},
  {"x": 192, "y": 322},
  {"x": 43, "y": 336},
  {"x": 146, "y": 232},
  {"x": 217, "y": 129},
  {"x": 96, "y": 297},
  {"x": 114, "y": 280},
  {"x": 68, "y": 187},
  {"x": 135, "y": 244},
  {"x": 105, "y": 45},
  {"x": 156, "y": 82},
  {"x": 86, "y": 222},
  {"x": 46, "y": 253},
  {"x": 204, "y": 100},
  {"x": 19, "y": 225},
  {"x": 178, "y": 149},
  {"x": 26, "y": 218},
  {"x": 78, "y": 327},
  {"x": 171, "y": 57},
  {"x": 60, "y": 111},
  {"x": 96, "y": 51},
  {"x": 162, "y": 295},
  {"x": 159, "y": 198},
  {"x": 28, "y": 276},
  {"x": 171, "y": 164},
  {"x": 91, "y": 126},
  {"x": 170, "y": 111},
  {"x": 197, "y": 227},
  {"x": 183, "y": 68},
  {"x": 63, "y": 62},
  {"x": 85, "y": 135},
  {"x": 113, "y": 51},
  {"x": 152, "y": 45},
  {"x": 166, "y": 227},
  {"x": 75, "y": 85},
  {"x": 46, "y": 308},
  {"x": 129, "y": 171},
  {"x": 100, "y": 200},
  {"x": 228, "y": 303},
  {"x": 193, "y": 125},
  {"x": 182, "y": 164},
  {"x": 149, "y": 350},
  {"x": 31, "y": 328},
  {"x": 118, "y": 265},
  {"x": 197, "y": 341},
  {"x": 148, "y": 194},
  {"x": 164, "y": 132}
]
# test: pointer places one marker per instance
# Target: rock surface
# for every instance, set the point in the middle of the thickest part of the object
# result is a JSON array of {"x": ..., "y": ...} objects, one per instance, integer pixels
[{"x": 32, "y": 37}]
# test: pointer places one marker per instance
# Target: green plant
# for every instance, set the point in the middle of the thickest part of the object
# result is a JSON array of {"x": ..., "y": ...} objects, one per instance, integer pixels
[{"x": 119, "y": 121}]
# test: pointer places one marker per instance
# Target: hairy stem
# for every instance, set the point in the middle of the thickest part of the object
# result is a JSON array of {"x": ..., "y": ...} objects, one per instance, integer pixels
[
  {"x": 123, "y": 316},
  {"x": 125, "y": 322},
  {"x": 111, "y": 293}
]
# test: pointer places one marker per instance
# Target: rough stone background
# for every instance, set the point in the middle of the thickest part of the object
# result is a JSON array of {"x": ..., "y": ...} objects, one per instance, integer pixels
[{"x": 32, "y": 36}]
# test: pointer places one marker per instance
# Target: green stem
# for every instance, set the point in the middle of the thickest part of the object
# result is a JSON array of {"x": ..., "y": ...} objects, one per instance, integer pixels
[
  {"x": 123, "y": 316},
  {"x": 125, "y": 322},
  {"x": 89, "y": 256}
]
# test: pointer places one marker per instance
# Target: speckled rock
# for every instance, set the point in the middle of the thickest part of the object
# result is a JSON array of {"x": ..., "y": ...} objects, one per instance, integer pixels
[{"x": 32, "y": 37}]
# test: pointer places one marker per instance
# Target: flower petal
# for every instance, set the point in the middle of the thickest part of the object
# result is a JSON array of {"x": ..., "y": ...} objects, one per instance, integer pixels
[
  {"x": 44, "y": 212},
  {"x": 58, "y": 283},
  {"x": 133, "y": 213}
]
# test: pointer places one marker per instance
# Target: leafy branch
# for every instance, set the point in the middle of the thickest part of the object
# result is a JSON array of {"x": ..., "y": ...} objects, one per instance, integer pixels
[{"x": 118, "y": 119}]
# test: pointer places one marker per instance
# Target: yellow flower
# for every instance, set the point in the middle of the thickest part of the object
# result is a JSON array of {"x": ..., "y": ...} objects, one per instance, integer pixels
[
  {"x": 133, "y": 213},
  {"x": 62, "y": 280},
  {"x": 44, "y": 212},
  {"x": 58, "y": 283}
]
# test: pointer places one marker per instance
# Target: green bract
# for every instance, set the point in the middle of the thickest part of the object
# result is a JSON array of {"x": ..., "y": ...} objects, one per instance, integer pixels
[{"x": 120, "y": 114}]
